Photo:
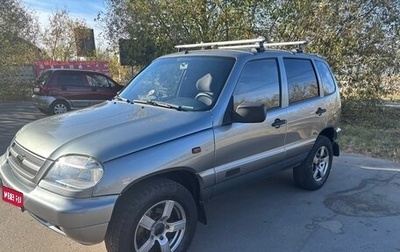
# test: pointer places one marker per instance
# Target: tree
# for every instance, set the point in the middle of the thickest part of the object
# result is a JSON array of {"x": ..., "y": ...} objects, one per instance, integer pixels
[
  {"x": 59, "y": 39},
  {"x": 161, "y": 24},
  {"x": 18, "y": 33},
  {"x": 359, "y": 38}
]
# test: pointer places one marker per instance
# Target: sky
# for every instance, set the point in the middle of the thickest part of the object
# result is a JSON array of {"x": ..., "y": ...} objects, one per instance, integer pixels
[{"x": 78, "y": 9}]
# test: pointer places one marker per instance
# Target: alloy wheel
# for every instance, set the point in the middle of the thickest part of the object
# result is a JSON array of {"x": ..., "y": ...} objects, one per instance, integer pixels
[
  {"x": 161, "y": 228},
  {"x": 320, "y": 163}
]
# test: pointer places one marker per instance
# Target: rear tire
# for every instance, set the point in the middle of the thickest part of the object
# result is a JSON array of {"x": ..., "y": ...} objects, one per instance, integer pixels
[
  {"x": 314, "y": 171},
  {"x": 157, "y": 213},
  {"x": 59, "y": 107}
]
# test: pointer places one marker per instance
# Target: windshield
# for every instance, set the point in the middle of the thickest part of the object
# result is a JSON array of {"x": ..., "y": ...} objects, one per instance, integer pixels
[{"x": 187, "y": 83}]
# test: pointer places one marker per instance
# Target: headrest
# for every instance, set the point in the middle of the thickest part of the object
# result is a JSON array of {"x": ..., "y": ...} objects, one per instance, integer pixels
[{"x": 204, "y": 83}]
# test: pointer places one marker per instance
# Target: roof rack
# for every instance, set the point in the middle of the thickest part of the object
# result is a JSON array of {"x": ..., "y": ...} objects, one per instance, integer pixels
[{"x": 259, "y": 44}]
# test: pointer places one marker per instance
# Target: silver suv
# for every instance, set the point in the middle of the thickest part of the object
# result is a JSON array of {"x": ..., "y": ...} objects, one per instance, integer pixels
[{"x": 135, "y": 171}]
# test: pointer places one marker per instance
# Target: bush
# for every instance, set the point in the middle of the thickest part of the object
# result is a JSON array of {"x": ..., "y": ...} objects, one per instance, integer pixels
[{"x": 15, "y": 92}]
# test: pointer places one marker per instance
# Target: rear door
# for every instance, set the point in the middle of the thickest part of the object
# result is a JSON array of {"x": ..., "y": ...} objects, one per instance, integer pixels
[
  {"x": 306, "y": 108},
  {"x": 248, "y": 151},
  {"x": 72, "y": 86}
]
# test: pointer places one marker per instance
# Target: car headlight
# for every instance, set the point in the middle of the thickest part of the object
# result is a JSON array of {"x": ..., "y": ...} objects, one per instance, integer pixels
[{"x": 75, "y": 172}]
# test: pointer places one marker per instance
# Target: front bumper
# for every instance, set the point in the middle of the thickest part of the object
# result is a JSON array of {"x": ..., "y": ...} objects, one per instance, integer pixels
[{"x": 83, "y": 220}]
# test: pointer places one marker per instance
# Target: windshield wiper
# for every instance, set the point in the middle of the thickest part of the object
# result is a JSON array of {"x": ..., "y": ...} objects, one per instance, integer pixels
[
  {"x": 119, "y": 98},
  {"x": 159, "y": 104}
]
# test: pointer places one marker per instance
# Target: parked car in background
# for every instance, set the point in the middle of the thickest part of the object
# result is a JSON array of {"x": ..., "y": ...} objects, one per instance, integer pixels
[{"x": 57, "y": 91}]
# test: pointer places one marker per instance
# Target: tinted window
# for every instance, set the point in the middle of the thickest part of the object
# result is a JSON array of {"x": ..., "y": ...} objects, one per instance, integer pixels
[
  {"x": 302, "y": 81},
  {"x": 70, "y": 79},
  {"x": 328, "y": 83},
  {"x": 259, "y": 82}
]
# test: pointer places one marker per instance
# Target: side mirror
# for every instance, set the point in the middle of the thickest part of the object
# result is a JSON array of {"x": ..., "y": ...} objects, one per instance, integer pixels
[{"x": 249, "y": 113}]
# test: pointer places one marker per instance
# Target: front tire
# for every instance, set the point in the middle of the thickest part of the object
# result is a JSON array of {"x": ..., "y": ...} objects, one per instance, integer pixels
[
  {"x": 158, "y": 215},
  {"x": 314, "y": 171}
]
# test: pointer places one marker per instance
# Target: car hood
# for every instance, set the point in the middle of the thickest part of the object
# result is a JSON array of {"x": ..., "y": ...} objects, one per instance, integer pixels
[{"x": 109, "y": 130}]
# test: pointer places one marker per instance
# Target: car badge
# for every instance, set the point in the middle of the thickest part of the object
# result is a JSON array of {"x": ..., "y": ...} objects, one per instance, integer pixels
[{"x": 21, "y": 158}]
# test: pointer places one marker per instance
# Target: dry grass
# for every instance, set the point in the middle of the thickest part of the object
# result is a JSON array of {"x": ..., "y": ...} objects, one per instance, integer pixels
[{"x": 372, "y": 131}]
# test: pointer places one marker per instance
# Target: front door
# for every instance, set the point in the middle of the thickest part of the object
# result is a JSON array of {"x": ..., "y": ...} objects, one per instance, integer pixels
[
  {"x": 101, "y": 88},
  {"x": 248, "y": 151}
]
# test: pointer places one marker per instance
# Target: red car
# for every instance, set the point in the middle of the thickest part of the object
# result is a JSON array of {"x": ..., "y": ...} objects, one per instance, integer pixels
[{"x": 57, "y": 91}]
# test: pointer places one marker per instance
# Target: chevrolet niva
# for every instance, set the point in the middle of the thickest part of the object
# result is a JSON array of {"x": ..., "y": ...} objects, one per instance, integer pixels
[{"x": 135, "y": 171}]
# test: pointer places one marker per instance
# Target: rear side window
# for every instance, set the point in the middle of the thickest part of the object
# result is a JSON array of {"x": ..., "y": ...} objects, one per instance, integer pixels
[
  {"x": 41, "y": 80},
  {"x": 259, "y": 82},
  {"x": 70, "y": 79},
  {"x": 302, "y": 81},
  {"x": 328, "y": 83}
]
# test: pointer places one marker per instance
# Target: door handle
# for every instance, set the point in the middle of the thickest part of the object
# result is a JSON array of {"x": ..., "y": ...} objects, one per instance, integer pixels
[
  {"x": 278, "y": 122},
  {"x": 320, "y": 111}
]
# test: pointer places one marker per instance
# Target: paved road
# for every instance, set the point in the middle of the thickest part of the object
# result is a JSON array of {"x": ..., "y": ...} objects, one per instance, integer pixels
[{"x": 357, "y": 210}]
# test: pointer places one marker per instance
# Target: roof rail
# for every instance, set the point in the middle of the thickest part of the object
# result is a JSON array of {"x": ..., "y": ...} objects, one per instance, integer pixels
[
  {"x": 300, "y": 44},
  {"x": 258, "y": 43}
]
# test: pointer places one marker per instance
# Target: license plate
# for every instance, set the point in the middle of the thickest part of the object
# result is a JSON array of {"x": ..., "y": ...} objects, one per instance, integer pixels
[{"x": 13, "y": 197}]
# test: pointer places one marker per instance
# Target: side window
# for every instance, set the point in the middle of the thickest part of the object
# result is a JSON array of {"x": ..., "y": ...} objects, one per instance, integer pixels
[
  {"x": 97, "y": 80},
  {"x": 328, "y": 83},
  {"x": 259, "y": 82},
  {"x": 70, "y": 79},
  {"x": 302, "y": 81}
]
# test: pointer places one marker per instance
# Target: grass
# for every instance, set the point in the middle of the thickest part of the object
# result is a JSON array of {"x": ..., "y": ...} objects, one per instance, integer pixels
[{"x": 372, "y": 131}]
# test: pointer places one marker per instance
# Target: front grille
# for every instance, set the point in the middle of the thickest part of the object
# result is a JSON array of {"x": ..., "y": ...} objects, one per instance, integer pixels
[{"x": 23, "y": 162}]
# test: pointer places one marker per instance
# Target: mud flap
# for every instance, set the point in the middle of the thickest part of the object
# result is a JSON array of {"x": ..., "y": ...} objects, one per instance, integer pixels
[{"x": 335, "y": 149}]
